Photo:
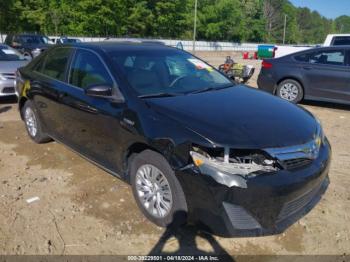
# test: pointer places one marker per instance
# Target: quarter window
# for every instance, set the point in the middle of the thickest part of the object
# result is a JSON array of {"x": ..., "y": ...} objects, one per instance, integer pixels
[
  {"x": 88, "y": 70},
  {"x": 56, "y": 63},
  {"x": 302, "y": 58}
]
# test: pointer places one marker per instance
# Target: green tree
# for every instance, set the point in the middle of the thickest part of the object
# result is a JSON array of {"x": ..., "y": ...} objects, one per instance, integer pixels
[{"x": 342, "y": 24}]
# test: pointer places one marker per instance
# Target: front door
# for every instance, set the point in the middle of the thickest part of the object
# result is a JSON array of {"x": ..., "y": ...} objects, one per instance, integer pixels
[{"x": 91, "y": 125}]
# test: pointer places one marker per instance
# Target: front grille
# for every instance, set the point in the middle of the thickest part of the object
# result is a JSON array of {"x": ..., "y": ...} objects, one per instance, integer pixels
[
  {"x": 9, "y": 75},
  {"x": 296, "y": 163},
  {"x": 292, "y": 157},
  {"x": 292, "y": 207},
  {"x": 8, "y": 90}
]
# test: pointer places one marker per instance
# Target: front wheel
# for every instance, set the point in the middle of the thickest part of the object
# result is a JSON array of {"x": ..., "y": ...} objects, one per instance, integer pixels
[
  {"x": 290, "y": 90},
  {"x": 156, "y": 189}
]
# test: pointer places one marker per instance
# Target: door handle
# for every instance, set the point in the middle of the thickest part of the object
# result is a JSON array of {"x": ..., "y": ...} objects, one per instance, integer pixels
[
  {"x": 307, "y": 67},
  {"x": 86, "y": 108}
]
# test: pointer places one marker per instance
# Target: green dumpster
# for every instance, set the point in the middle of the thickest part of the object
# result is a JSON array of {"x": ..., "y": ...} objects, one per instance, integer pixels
[{"x": 266, "y": 51}]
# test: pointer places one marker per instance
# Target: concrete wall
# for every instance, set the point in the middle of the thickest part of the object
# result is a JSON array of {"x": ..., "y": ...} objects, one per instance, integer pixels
[{"x": 187, "y": 45}]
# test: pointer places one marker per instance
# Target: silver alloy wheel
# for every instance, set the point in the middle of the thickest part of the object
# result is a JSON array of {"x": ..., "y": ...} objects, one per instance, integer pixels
[
  {"x": 289, "y": 92},
  {"x": 154, "y": 191},
  {"x": 30, "y": 121}
]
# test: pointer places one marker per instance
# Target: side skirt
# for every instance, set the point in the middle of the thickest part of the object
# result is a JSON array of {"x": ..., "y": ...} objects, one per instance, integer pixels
[{"x": 90, "y": 160}]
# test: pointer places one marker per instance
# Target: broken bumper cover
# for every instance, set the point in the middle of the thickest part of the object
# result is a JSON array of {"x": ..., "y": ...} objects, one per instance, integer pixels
[{"x": 260, "y": 205}]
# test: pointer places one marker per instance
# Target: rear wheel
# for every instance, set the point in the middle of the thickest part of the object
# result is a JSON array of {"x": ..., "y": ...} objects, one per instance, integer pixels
[
  {"x": 27, "y": 55},
  {"x": 290, "y": 90},
  {"x": 156, "y": 189},
  {"x": 33, "y": 125}
]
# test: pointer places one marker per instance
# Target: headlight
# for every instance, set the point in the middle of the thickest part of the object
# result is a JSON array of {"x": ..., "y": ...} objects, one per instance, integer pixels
[
  {"x": 240, "y": 164},
  {"x": 36, "y": 52},
  {"x": 2, "y": 77}
]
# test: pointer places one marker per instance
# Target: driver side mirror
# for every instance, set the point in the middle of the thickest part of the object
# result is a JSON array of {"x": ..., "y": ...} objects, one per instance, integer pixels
[{"x": 99, "y": 91}]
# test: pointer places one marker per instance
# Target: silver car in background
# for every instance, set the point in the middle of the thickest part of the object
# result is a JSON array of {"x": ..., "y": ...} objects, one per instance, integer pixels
[{"x": 10, "y": 60}]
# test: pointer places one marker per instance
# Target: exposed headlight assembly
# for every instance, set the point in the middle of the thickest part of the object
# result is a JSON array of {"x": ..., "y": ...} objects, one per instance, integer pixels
[
  {"x": 319, "y": 136},
  {"x": 244, "y": 165}
]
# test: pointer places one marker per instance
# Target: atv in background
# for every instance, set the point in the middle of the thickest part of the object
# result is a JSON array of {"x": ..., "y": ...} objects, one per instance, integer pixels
[{"x": 238, "y": 72}]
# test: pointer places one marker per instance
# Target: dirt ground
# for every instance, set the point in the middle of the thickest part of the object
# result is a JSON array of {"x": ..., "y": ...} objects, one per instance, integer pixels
[{"x": 83, "y": 210}]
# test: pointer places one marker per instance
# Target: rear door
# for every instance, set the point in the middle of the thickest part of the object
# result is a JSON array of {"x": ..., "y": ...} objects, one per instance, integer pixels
[
  {"x": 326, "y": 74},
  {"x": 49, "y": 78}
]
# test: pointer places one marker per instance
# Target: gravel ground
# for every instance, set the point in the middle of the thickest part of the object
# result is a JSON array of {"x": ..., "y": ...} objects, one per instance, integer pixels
[{"x": 83, "y": 210}]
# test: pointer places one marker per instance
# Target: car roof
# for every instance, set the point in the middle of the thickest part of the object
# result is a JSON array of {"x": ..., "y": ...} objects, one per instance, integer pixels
[
  {"x": 322, "y": 48},
  {"x": 109, "y": 46},
  {"x": 27, "y": 34}
]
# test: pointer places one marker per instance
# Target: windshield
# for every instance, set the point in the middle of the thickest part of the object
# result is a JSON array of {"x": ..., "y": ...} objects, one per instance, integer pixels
[
  {"x": 10, "y": 54},
  {"x": 35, "y": 39},
  {"x": 167, "y": 71},
  {"x": 70, "y": 40}
]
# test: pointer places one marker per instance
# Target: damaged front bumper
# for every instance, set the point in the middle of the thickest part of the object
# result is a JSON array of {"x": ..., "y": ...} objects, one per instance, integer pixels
[{"x": 233, "y": 205}]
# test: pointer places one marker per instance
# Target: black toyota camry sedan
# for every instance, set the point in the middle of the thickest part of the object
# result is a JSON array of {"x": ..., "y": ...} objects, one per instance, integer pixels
[{"x": 195, "y": 147}]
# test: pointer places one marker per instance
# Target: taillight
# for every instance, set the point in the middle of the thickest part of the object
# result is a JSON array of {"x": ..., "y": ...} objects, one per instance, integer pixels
[{"x": 266, "y": 64}]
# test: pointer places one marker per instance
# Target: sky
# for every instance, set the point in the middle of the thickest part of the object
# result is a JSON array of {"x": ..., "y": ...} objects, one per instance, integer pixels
[{"x": 327, "y": 8}]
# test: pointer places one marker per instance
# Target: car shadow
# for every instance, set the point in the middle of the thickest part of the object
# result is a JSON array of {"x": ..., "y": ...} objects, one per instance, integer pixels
[
  {"x": 8, "y": 100},
  {"x": 186, "y": 237},
  {"x": 326, "y": 104},
  {"x": 4, "y": 109}
]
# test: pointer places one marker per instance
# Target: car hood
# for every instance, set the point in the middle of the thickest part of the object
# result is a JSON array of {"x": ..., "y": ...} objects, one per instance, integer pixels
[
  {"x": 10, "y": 67},
  {"x": 240, "y": 117}
]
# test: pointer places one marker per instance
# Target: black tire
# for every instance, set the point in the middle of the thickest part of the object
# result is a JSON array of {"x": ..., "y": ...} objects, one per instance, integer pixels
[
  {"x": 28, "y": 54},
  {"x": 40, "y": 136},
  {"x": 177, "y": 215},
  {"x": 295, "y": 99}
]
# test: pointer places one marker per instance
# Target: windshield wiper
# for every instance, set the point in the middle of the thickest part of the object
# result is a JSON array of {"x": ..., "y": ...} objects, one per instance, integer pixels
[
  {"x": 210, "y": 89},
  {"x": 158, "y": 95}
]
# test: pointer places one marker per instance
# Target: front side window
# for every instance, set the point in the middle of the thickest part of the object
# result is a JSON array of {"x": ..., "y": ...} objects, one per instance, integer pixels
[
  {"x": 33, "y": 39},
  {"x": 56, "y": 63},
  {"x": 167, "y": 71},
  {"x": 332, "y": 57},
  {"x": 88, "y": 70}
]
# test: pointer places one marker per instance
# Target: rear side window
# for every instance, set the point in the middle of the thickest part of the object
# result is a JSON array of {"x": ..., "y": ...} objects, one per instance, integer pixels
[
  {"x": 341, "y": 40},
  {"x": 332, "y": 57},
  {"x": 88, "y": 70},
  {"x": 56, "y": 63}
]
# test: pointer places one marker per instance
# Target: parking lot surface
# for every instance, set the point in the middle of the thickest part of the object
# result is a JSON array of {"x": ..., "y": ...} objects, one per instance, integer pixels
[{"x": 76, "y": 208}]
